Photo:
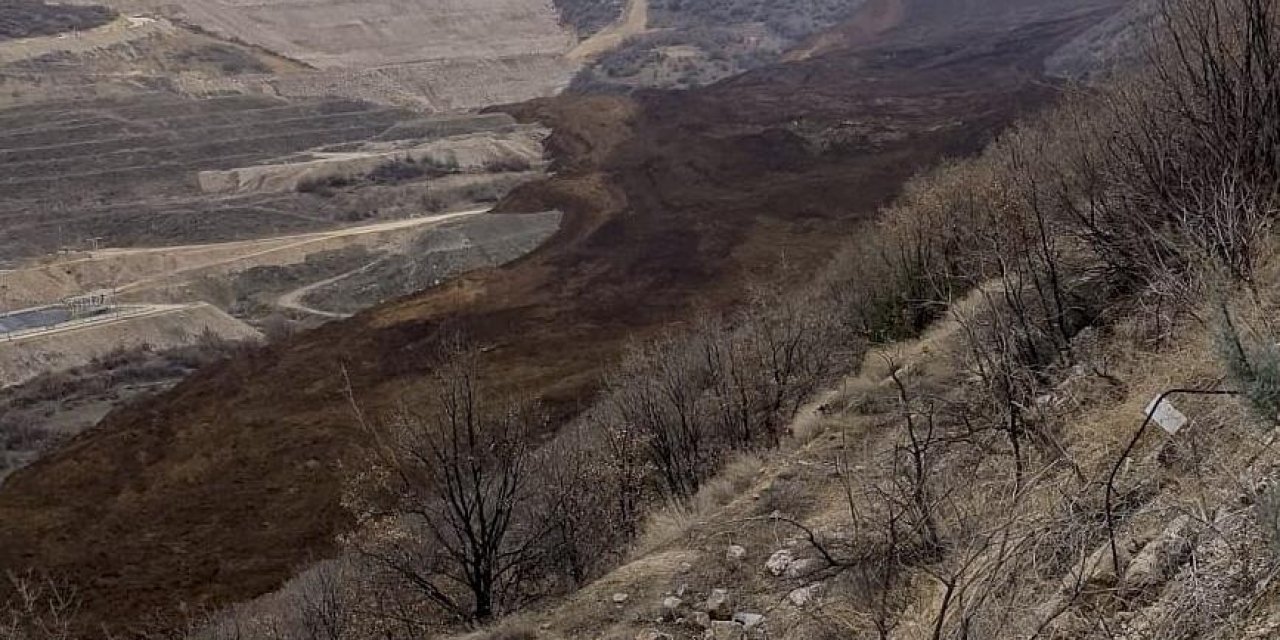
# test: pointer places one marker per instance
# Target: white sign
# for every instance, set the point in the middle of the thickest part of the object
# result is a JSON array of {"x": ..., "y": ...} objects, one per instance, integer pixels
[{"x": 1166, "y": 415}]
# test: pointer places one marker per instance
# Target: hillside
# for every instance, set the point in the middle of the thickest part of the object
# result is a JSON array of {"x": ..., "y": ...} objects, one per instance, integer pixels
[
  {"x": 1038, "y": 399},
  {"x": 221, "y": 489}
]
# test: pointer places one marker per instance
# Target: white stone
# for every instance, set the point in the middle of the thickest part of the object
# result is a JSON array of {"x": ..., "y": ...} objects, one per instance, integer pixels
[
  {"x": 804, "y": 596},
  {"x": 805, "y": 567},
  {"x": 735, "y": 553},
  {"x": 748, "y": 620},
  {"x": 778, "y": 562},
  {"x": 619, "y": 598}
]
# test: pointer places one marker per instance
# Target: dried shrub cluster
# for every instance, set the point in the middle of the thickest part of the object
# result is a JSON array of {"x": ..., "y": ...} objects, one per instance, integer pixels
[{"x": 474, "y": 520}]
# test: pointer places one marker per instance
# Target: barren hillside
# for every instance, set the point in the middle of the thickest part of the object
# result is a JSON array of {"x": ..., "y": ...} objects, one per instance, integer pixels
[{"x": 672, "y": 202}]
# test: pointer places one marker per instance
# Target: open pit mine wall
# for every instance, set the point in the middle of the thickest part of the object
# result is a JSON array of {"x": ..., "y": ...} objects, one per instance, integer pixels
[{"x": 468, "y": 153}]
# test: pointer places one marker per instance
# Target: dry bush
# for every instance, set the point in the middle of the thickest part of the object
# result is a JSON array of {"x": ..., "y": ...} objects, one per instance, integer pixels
[{"x": 38, "y": 608}]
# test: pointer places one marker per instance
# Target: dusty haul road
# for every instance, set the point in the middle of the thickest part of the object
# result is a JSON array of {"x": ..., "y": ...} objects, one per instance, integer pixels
[
  {"x": 137, "y": 271},
  {"x": 634, "y": 22}
]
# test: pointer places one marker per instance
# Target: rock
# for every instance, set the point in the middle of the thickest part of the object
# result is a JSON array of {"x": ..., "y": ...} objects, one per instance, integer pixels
[
  {"x": 805, "y": 567},
  {"x": 735, "y": 553},
  {"x": 804, "y": 596},
  {"x": 725, "y": 630},
  {"x": 701, "y": 620},
  {"x": 619, "y": 598},
  {"x": 778, "y": 562},
  {"x": 718, "y": 605},
  {"x": 671, "y": 606},
  {"x": 748, "y": 621},
  {"x": 1153, "y": 563},
  {"x": 684, "y": 567},
  {"x": 653, "y": 634},
  {"x": 1099, "y": 569}
]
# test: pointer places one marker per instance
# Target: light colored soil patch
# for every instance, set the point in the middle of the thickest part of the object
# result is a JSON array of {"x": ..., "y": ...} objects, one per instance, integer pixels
[
  {"x": 633, "y": 23},
  {"x": 121, "y": 31}
]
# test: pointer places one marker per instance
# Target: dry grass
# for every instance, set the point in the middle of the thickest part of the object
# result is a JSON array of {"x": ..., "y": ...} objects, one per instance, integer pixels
[{"x": 674, "y": 522}]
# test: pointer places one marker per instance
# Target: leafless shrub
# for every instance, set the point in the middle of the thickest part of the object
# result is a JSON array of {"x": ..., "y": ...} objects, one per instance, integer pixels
[
  {"x": 588, "y": 505},
  {"x": 656, "y": 391},
  {"x": 38, "y": 608}
]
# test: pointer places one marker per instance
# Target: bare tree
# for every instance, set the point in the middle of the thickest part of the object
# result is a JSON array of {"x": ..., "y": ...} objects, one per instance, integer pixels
[
  {"x": 448, "y": 510},
  {"x": 324, "y": 607}
]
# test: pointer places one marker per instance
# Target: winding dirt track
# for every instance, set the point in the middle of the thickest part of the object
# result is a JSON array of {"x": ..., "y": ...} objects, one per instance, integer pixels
[
  {"x": 293, "y": 299},
  {"x": 634, "y": 22}
]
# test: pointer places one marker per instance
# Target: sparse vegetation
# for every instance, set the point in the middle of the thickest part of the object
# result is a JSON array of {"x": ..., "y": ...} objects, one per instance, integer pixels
[
  {"x": 589, "y": 16},
  {"x": 791, "y": 20},
  {"x": 231, "y": 60},
  {"x": 30, "y": 18}
]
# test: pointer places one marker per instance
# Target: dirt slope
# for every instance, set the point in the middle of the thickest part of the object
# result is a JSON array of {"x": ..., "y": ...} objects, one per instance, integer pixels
[{"x": 218, "y": 490}]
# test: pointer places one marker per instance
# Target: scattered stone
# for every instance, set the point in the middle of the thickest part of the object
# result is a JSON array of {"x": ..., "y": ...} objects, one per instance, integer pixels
[
  {"x": 1157, "y": 559},
  {"x": 778, "y": 562},
  {"x": 725, "y": 630},
  {"x": 619, "y": 598},
  {"x": 735, "y": 553},
  {"x": 671, "y": 607},
  {"x": 748, "y": 621},
  {"x": 804, "y": 568},
  {"x": 701, "y": 620},
  {"x": 684, "y": 567},
  {"x": 718, "y": 605},
  {"x": 804, "y": 596},
  {"x": 653, "y": 634}
]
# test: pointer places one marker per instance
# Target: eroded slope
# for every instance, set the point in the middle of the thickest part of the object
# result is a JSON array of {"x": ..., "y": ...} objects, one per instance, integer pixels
[{"x": 218, "y": 490}]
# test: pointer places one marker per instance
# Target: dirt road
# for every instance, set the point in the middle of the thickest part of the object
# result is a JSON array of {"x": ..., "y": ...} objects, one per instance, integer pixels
[
  {"x": 293, "y": 299},
  {"x": 633, "y": 23},
  {"x": 270, "y": 245}
]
